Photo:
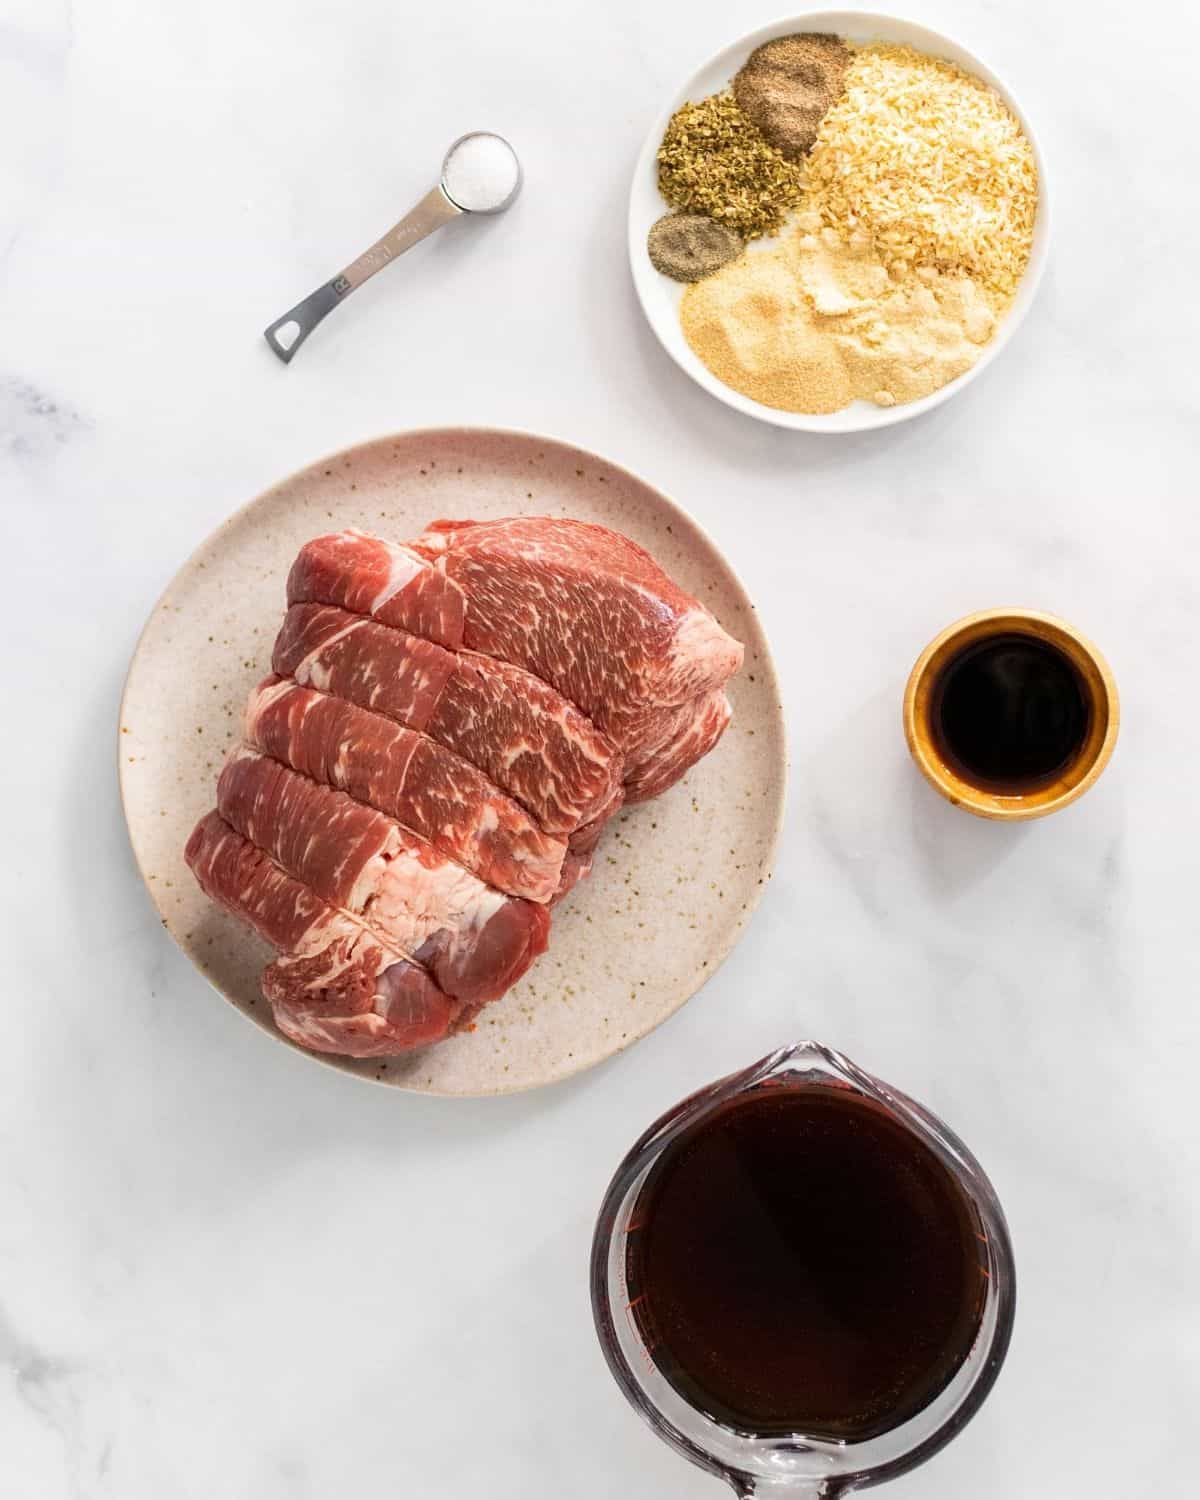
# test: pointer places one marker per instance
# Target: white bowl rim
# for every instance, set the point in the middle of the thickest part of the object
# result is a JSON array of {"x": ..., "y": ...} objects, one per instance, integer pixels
[{"x": 859, "y": 416}]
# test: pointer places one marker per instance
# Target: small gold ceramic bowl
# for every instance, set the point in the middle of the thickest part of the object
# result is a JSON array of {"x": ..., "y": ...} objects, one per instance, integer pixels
[{"x": 1097, "y": 685}]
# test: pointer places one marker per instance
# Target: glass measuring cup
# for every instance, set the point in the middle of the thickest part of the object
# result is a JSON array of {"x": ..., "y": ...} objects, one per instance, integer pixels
[{"x": 797, "y": 1464}]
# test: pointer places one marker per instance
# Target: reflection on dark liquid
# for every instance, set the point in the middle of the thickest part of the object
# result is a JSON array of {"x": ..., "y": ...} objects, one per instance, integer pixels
[
  {"x": 1010, "y": 713},
  {"x": 799, "y": 1261}
]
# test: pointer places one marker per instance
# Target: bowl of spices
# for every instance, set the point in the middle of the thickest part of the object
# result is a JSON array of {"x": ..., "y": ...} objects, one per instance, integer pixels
[{"x": 838, "y": 222}]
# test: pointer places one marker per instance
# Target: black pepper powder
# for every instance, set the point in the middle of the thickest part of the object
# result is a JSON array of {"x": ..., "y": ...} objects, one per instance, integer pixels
[{"x": 688, "y": 247}]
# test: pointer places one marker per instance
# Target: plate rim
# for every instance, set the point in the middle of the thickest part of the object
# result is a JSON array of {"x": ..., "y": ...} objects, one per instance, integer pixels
[
  {"x": 720, "y": 954},
  {"x": 859, "y": 416}
]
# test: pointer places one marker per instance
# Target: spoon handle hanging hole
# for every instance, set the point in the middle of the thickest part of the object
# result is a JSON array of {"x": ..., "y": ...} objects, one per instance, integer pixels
[{"x": 287, "y": 333}]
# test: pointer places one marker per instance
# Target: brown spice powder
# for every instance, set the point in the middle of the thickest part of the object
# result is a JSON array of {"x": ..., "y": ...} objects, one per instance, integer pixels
[{"x": 788, "y": 85}]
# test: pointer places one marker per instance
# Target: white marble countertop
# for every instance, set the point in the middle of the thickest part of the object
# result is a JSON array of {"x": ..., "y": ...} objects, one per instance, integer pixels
[{"x": 224, "y": 1272}]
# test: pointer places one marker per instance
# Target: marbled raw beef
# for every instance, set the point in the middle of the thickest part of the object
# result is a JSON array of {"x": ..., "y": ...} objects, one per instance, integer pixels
[
  {"x": 374, "y": 577},
  {"x": 335, "y": 987},
  {"x": 522, "y": 734},
  {"x": 411, "y": 778},
  {"x": 475, "y": 940},
  {"x": 591, "y": 613}
]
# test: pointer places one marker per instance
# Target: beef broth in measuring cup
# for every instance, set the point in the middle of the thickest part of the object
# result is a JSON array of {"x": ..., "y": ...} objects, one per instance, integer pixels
[
  {"x": 799, "y": 1261},
  {"x": 802, "y": 1279}
]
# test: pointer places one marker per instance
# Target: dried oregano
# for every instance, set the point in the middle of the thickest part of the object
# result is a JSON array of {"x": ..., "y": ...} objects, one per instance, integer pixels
[{"x": 713, "y": 160}]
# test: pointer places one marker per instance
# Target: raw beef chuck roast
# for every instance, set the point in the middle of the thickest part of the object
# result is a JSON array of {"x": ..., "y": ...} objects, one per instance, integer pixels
[
  {"x": 335, "y": 987},
  {"x": 373, "y": 577},
  {"x": 424, "y": 786},
  {"x": 451, "y": 723},
  {"x": 594, "y": 615},
  {"x": 530, "y": 740},
  {"x": 475, "y": 940}
]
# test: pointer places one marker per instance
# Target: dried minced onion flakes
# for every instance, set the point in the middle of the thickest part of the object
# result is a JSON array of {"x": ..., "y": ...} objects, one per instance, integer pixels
[{"x": 929, "y": 162}]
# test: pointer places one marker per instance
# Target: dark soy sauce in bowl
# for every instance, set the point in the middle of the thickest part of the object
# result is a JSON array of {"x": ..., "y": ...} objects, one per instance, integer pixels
[
  {"x": 1010, "y": 713},
  {"x": 801, "y": 1262}
]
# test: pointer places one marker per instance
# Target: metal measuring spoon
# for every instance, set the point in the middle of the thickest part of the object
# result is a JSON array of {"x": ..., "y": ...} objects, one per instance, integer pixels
[{"x": 480, "y": 175}]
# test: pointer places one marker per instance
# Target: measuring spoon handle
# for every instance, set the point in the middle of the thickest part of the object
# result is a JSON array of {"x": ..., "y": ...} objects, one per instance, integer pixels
[{"x": 287, "y": 333}]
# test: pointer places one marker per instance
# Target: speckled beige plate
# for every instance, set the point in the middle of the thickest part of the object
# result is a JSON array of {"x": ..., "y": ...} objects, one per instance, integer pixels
[{"x": 675, "y": 879}]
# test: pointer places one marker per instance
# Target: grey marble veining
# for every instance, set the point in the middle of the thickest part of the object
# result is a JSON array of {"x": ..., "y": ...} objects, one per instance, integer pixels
[
  {"x": 32, "y": 423},
  {"x": 224, "y": 1272}
]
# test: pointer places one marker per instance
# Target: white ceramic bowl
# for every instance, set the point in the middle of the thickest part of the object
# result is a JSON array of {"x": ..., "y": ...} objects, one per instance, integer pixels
[{"x": 660, "y": 297}]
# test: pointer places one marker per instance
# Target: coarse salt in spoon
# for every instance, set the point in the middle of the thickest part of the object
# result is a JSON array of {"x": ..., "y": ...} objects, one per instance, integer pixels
[{"x": 480, "y": 175}]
